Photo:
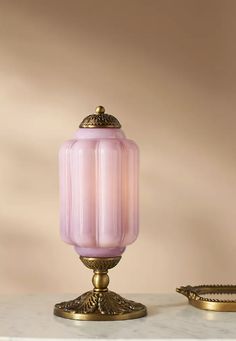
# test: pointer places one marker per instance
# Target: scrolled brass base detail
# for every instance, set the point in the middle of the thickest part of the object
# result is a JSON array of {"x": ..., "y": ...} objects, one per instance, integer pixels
[
  {"x": 100, "y": 304},
  {"x": 103, "y": 306}
]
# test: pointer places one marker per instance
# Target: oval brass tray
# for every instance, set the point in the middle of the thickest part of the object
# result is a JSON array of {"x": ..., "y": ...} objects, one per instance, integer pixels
[{"x": 211, "y": 297}]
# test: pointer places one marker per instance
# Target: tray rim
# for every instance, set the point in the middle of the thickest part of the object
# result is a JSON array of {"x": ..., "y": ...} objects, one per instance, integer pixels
[{"x": 193, "y": 293}]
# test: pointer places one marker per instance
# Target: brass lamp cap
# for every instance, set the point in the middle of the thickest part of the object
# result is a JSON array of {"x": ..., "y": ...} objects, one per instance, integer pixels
[{"x": 100, "y": 120}]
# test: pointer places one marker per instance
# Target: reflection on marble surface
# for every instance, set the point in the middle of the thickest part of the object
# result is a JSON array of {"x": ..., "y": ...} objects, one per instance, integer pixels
[{"x": 169, "y": 317}]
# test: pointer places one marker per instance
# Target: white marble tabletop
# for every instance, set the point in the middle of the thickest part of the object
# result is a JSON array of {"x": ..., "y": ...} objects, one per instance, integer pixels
[{"x": 169, "y": 317}]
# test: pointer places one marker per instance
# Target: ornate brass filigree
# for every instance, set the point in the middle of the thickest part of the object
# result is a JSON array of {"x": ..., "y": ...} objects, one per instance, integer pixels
[
  {"x": 100, "y": 264},
  {"x": 100, "y": 119},
  {"x": 201, "y": 296},
  {"x": 100, "y": 304}
]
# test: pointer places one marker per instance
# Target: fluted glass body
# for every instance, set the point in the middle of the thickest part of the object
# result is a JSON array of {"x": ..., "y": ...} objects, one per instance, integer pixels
[{"x": 99, "y": 192}]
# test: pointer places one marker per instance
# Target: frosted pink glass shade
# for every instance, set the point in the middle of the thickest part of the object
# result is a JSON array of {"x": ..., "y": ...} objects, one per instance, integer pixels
[{"x": 99, "y": 192}]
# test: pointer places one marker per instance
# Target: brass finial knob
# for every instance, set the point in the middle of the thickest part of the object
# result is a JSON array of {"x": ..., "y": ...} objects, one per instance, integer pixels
[
  {"x": 100, "y": 119},
  {"x": 100, "y": 110}
]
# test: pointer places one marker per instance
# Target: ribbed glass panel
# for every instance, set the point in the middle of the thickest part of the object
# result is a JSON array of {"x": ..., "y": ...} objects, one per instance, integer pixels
[
  {"x": 83, "y": 203},
  {"x": 65, "y": 189},
  {"x": 109, "y": 190},
  {"x": 130, "y": 204}
]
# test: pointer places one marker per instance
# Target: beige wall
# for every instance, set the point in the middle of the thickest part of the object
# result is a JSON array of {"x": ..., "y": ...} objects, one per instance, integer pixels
[{"x": 167, "y": 69}]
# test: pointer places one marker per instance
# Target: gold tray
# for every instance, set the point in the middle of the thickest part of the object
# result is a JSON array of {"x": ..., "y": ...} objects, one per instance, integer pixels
[{"x": 211, "y": 297}]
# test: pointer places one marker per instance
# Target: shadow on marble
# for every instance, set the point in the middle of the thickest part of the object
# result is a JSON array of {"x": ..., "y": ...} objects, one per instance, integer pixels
[
  {"x": 171, "y": 305},
  {"x": 155, "y": 309},
  {"x": 152, "y": 310}
]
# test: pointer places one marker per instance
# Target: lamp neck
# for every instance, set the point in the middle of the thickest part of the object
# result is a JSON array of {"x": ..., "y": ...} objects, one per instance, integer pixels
[{"x": 96, "y": 133}]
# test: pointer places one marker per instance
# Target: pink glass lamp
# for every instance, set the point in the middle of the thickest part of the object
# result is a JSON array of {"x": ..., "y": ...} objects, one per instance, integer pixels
[{"x": 99, "y": 211}]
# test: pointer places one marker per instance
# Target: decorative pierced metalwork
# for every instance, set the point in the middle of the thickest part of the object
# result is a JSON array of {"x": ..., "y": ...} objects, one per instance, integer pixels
[
  {"x": 100, "y": 120},
  {"x": 100, "y": 264},
  {"x": 100, "y": 306},
  {"x": 198, "y": 296}
]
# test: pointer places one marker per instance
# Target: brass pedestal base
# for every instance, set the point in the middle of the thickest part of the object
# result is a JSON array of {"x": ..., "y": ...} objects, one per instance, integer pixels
[
  {"x": 106, "y": 306},
  {"x": 100, "y": 304}
]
